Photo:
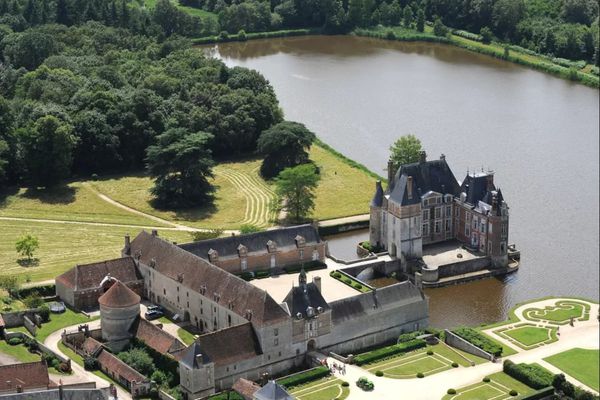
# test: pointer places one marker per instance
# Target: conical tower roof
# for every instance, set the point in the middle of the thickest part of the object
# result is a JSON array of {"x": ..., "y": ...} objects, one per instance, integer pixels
[{"x": 119, "y": 296}]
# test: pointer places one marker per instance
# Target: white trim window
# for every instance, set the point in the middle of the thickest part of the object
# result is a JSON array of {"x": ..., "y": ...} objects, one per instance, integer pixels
[
  {"x": 438, "y": 226},
  {"x": 425, "y": 214},
  {"x": 438, "y": 212},
  {"x": 425, "y": 229}
]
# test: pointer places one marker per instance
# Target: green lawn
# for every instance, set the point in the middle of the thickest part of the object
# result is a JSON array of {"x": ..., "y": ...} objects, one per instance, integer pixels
[
  {"x": 530, "y": 335},
  {"x": 59, "y": 322},
  {"x": 7, "y": 303},
  {"x": 560, "y": 313},
  {"x": 19, "y": 352},
  {"x": 498, "y": 389},
  {"x": 72, "y": 202},
  {"x": 185, "y": 336},
  {"x": 328, "y": 388},
  {"x": 581, "y": 364},
  {"x": 62, "y": 246},
  {"x": 506, "y": 350}
]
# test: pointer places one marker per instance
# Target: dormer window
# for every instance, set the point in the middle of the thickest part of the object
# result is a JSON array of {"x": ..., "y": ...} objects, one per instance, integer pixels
[
  {"x": 242, "y": 250},
  {"x": 213, "y": 255},
  {"x": 216, "y": 297},
  {"x": 152, "y": 263},
  {"x": 271, "y": 246},
  {"x": 300, "y": 241},
  {"x": 448, "y": 198}
]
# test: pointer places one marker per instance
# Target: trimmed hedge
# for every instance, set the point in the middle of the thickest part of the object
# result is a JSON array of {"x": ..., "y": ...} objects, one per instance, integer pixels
[
  {"x": 304, "y": 377},
  {"x": 478, "y": 339},
  {"x": 540, "y": 394},
  {"x": 407, "y": 337},
  {"x": 385, "y": 352},
  {"x": 530, "y": 374}
]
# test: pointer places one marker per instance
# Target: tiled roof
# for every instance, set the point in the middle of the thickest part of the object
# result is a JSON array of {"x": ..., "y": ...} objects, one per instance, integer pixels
[
  {"x": 226, "y": 346},
  {"x": 156, "y": 338},
  {"x": 118, "y": 296},
  {"x": 91, "y": 346},
  {"x": 254, "y": 242},
  {"x": 200, "y": 275},
  {"x": 113, "y": 364},
  {"x": 26, "y": 375},
  {"x": 272, "y": 391},
  {"x": 246, "y": 388},
  {"x": 89, "y": 276},
  {"x": 300, "y": 298}
]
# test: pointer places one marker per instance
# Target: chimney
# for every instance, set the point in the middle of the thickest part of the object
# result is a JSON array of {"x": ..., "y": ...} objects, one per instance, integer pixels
[
  {"x": 317, "y": 282},
  {"x": 490, "y": 182},
  {"x": 422, "y": 156},
  {"x": 154, "y": 232},
  {"x": 443, "y": 157},
  {"x": 494, "y": 202},
  {"x": 391, "y": 172},
  {"x": 199, "y": 359},
  {"x": 409, "y": 187},
  {"x": 127, "y": 247}
]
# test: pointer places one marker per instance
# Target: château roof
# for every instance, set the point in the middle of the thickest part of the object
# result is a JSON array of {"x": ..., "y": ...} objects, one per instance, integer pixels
[
  {"x": 272, "y": 391},
  {"x": 89, "y": 276},
  {"x": 254, "y": 242},
  {"x": 300, "y": 298},
  {"x": 119, "y": 296},
  {"x": 434, "y": 175},
  {"x": 197, "y": 274}
]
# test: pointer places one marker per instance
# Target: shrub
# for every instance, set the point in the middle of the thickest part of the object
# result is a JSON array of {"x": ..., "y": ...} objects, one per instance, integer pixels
[
  {"x": 390, "y": 35},
  {"x": 249, "y": 228},
  {"x": 407, "y": 337},
  {"x": 337, "y": 275},
  {"x": 468, "y": 35},
  {"x": 378, "y": 373},
  {"x": 64, "y": 367},
  {"x": 15, "y": 341},
  {"x": 478, "y": 339},
  {"x": 345, "y": 384},
  {"x": 486, "y": 35},
  {"x": 358, "y": 286},
  {"x": 223, "y": 36},
  {"x": 530, "y": 374},
  {"x": 420, "y": 375},
  {"x": 262, "y": 274},
  {"x": 247, "y": 276},
  {"x": 44, "y": 312},
  {"x": 429, "y": 352},
  {"x": 347, "y": 280},
  {"x": 451, "y": 391},
  {"x": 242, "y": 35},
  {"x": 303, "y": 377},
  {"x": 388, "y": 351},
  {"x": 138, "y": 359},
  {"x": 454, "y": 365},
  {"x": 365, "y": 384},
  {"x": 513, "y": 392},
  {"x": 486, "y": 379},
  {"x": 205, "y": 235},
  {"x": 34, "y": 300},
  {"x": 90, "y": 363}
]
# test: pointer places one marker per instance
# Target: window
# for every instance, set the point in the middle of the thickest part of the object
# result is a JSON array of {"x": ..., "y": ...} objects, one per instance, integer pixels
[
  {"x": 276, "y": 332},
  {"x": 467, "y": 231},
  {"x": 474, "y": 223},
  {"x": 489, "y": 247},
  {"x": 448, "y": 211},
  {"x": 315, "y": 255},
  {"x": 425, "y": 229},
  {"x": 164, "y": 291},
  {"x": 456, "y": 211},
  {"x": 438, "y": 212},
  {"x": 276, "y": 342},
  {"x": 244, "y": 264},
  {"x": 273, "y": 261},
  {"x": 483, "y": 224},
  {"x": 469, "y": 217},
  {"x": 425, "y": 215},
  {"x": 489, "y": 227},
  {"x": 229, "y": 319},
  {"x": 448, "y": 225},
  {"x": 438, "y": 226}
]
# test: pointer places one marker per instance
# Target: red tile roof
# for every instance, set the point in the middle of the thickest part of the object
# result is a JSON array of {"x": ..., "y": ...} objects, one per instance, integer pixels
[
  {"x": 156, "y": 338},
  {"x": 27, "y": 376},
  {"x": 91, "y": 346},
  {"x": 89, "y": 276},
  {"x": 246, "y": 388},
  {"x": 113, "y": 364},
  {"x": 119, "y": 296},
  {"x": 230, "y": 345}
]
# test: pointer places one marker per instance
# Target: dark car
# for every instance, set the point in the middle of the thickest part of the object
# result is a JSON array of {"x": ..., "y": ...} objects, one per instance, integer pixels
[{"x": 153, "y": 314}]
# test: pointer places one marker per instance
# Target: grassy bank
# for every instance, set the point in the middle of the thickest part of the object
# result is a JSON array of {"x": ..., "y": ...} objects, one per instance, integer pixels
[
  {"x": 256, "y": 35},
  {"x": 497, "y": 50}
]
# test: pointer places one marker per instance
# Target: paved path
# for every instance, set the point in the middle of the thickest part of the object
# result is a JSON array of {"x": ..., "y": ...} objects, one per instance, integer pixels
[
  {"x": 80, "y": 374},
  {"x": 585, "y": 334}
]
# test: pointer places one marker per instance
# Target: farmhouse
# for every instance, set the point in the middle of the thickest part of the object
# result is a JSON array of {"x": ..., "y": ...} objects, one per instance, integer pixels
[{"x": 244, "y": 332}]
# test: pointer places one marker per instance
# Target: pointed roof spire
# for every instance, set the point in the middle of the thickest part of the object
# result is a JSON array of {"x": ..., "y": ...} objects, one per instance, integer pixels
[{"x": 302, "y": 276}]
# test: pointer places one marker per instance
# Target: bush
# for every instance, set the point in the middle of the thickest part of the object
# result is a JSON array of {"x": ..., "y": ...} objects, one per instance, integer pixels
[
  {"x": 420, "y": 375},
  {"x": 468, "y": 35},
  {"x": 15, "y": 341},
  {"x": 451, "y": 391},
  {"x": 345, "y": 384},
  {"x": 347, "y": 281},
  {"x": 262, "y": 274},
  {"x": 358, "y": 286},
  {"x": 530, "y": 374},
  {"x": 513, "y": 392},
  {"x": 478, "y": 339},
  {"x": 205, "y": 235},
  {"x": 44, "y": 312},
  {"x": 223, "y": 36},
  {"x": 242, "y": 35},
  {"x": 486, "y": 35},
  {"x": 64, "y": 367},
  {"x": 486, "y": 379},
  {"x": 90, "y": 363},
  {"x": 303, "y": 377},
  {"x": 429, "y": 352},
  {"x": 407, "y": 337},
  {"x": 390, "y": 35},
  {"x": 454, "y": 365},
  {"x": 388, "y": 351},
  {"x": 138, "y": 359},
  {"x": 249, "y": 228},
  {"x": 337, "y": 275},
  {"x": 34, "y": 300},
  {"x": 378, "y": 373},
  {"x": 247, "y": 276},
  {"x": 365, "y": 384}
]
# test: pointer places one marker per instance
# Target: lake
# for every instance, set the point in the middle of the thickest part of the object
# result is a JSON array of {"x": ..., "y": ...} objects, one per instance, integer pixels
[{"x": 538, "y": 132}]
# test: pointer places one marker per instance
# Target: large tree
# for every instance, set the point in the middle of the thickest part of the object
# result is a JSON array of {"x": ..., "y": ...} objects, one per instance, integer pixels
[
  {"x": 405, "y": 150},
  {"x": 295, "y": 190},
  {"x": 182, "y": 163},
  {"x": 284, "y": 145},
  {"x": 48, "y": 149}
]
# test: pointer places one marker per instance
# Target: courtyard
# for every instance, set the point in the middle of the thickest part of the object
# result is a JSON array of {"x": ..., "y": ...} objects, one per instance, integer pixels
[{"x": 446, "y": 253}]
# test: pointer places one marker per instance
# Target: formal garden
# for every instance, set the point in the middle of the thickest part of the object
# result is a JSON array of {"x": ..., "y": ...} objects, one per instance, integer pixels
[
  {"x": 329, "y": 388},
  {"x": 498, "y": 386},
  {"x": 528, "y": 336},
  {"x": 581, "y": 364},
  {"x": 560, "y": 313}
]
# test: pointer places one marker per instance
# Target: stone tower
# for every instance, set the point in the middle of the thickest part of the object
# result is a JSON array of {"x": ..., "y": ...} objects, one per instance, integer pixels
[
  {"x": 196, "y": 373},
  {"x": 119, "y": 309}
]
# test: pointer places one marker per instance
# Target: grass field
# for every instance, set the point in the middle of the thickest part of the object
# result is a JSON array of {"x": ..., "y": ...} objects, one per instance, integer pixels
[
  {"x": 529, "y": 336},
  {"x": 19, "y": 352},
  {"x": 185, "y": 336},
  {"x": 581, "y": 364},
  {"x": 497, "y": 389},
  {"x": 560, "y": 313},
  {"x": 60, "y": 321},
  {"x": 407, "y": 366},
  {"x": 62, "y": 246},
  {"x": 328, "y": 388}
]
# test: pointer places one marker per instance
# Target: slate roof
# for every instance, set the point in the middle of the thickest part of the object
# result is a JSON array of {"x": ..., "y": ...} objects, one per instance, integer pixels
[
  {"x": 226, "y": 346},
  {"x": 476, "y": 188},
  {"x": 254, "y": 242},
  {"x": 357, "y": 306},
  {"x": 188, "y": 358},
  {"x": 301, "y": 297},
  {"x": 26, "y": 375},
  {"x": 119, "y": 296},
  {"x": 89, "y": 276},
  {"x": 377, "y": 200},
  {"x": 272, "y": 391},
  {"x": 245, "y": 388},
  {"x": 155, "y": 337},
  {"x": 427, "y": 176},
  {"x": 197, "y": 274},
  {"x": 113, "y": 364}
]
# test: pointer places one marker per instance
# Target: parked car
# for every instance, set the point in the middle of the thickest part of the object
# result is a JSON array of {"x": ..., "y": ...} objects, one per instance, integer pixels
[
  {"x": 154, "y": 307},
  {"x": 153, "y": 314}
]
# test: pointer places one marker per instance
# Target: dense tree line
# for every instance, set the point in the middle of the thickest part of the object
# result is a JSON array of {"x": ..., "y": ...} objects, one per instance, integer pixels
[{"x": 92, "y": 99}]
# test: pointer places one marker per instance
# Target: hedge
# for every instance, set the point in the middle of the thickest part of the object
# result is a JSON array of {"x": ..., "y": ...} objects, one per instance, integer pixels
[
  {"x": 242, "y": 37},
  {"x": 540, "y": 394},
  {"x": 407, "y": 337},
  {"x": 530, "y": 374},
  {"x": 304, "y": 377},
  {"x": 308, "y": 266},
  {"x": 384, "y": 352},
  {"x": 478, "y": 339},
  {"x": 43, "y": 291}
]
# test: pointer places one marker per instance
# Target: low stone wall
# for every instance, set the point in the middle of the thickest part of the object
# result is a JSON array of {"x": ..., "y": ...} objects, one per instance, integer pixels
[
  {"x": 29, "y": 325},
  {"x": 382, "y": 267},
  {"x": 350, "y": 262},
  {"x": 461, "y": 344},
  {"x": 463, "y": 267},
  {"x": 343, "y": 227},
  {"x": 41, "y": 346},
  {"x": 66, "y": 393},
  {"x": 16, "y": 318}
]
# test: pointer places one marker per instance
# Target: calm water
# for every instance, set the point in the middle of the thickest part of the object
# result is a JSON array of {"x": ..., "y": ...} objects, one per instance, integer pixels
[{"x": 539, "y": 133}]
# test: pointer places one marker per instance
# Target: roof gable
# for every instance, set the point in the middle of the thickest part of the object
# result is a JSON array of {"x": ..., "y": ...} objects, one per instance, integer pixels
[
  {"x": 89, "y": 276},
  {"x": 24, "y": 375}
]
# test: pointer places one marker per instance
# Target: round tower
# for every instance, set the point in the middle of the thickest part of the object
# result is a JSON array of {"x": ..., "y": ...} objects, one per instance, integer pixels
[{"x": 119, "y": 308}]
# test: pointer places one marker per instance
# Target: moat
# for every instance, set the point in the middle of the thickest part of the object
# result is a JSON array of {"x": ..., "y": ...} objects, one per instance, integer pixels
[{"x": 538, "y": 132}]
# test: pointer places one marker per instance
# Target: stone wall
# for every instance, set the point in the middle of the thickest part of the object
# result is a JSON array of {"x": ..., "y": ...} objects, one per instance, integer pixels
[
  {"x": 67, "y": 393},
  {"x": 29, "y": 325},
  {"x": 463, "y": 267},
  {"x": 16, "y": 318},
  {"x": 461, "y": 344}
]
